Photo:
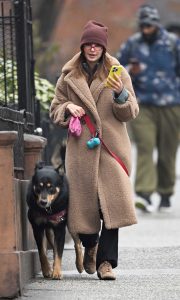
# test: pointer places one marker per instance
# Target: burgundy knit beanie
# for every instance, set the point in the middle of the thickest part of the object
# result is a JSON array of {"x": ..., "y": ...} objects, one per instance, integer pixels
[{"x": 94, "y": 32}]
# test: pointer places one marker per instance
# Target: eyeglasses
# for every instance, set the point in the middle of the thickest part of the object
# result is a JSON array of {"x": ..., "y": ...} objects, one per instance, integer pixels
[{"x": 94, "y": 46}]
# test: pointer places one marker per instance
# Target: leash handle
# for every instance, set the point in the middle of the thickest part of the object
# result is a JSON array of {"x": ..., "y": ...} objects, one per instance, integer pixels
[{"x": 93, "y": 132}]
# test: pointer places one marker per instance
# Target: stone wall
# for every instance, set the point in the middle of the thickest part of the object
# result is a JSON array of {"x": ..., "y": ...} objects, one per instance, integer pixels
[{"x": 18, "y": 255}]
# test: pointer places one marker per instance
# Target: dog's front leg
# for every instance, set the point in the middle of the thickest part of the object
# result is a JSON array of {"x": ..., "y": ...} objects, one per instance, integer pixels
[
  {"x": 79, "y": 253},
  {"x": 39, "y": 236},
  {"x": 59, "y": 241}
]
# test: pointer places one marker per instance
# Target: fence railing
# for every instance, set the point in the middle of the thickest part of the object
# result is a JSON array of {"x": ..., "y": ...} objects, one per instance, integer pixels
[
  {"x": 8, "y": 63},
  {"x": 17, "y": 89}
]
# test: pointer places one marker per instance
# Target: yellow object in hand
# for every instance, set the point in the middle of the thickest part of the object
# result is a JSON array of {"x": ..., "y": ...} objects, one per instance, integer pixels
[{"x": 114, "y": 70}]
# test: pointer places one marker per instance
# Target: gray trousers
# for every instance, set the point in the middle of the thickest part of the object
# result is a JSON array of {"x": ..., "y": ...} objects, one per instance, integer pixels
[{"x": 156, "y": 128}]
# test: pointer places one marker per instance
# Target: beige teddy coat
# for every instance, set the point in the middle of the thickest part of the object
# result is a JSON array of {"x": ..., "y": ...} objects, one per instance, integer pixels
[{"x": 96, "y": 180}]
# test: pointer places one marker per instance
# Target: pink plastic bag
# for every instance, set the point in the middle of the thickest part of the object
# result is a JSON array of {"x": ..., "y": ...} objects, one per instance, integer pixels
[{"x": 75, "y": 127}]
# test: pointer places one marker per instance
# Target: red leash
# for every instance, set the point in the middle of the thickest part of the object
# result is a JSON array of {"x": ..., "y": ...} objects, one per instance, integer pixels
[{"x": 94, "y": 133}]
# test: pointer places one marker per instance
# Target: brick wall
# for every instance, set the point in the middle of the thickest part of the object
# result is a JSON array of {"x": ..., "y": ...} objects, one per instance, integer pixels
[{"x": 118, "y": 15}]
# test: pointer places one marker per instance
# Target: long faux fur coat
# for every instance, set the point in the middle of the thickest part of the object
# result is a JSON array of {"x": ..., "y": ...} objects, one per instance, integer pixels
[{"x": 96, "y": 180}]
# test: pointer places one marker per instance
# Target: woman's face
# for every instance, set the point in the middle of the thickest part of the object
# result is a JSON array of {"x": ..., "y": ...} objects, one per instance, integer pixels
[{"x": 92, "y": 53}]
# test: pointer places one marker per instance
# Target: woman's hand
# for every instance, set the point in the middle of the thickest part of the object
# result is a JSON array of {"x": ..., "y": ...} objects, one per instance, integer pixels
[
  {"x": 75, "y": 110},
  {"x": 115, "y": 83}
]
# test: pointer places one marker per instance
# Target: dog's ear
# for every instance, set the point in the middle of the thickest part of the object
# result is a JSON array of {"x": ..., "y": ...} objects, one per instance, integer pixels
[
  {"x": 60, "y": 169},
  {"x": 39, "y": 165}
]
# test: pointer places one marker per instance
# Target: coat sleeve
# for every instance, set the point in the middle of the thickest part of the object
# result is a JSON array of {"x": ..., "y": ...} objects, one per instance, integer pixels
[
  {"x": 59, "y": 103},
  {"x": 130, "y": 109}
]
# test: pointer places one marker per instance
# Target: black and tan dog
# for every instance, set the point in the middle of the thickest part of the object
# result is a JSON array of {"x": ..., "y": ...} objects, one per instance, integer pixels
[{"x": 47, "y": 198}]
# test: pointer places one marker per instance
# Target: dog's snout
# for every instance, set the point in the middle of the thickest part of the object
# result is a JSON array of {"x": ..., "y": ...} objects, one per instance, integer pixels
[{"x": 43, "y": 202}]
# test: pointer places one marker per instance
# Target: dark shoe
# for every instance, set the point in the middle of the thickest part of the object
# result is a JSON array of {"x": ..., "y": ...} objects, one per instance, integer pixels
[
  {"x": 105, "y": 272},
  {"x": 144, "y": 203},
  {"x": 165, "y": 204},
  {"x": 89, "y": 261}
]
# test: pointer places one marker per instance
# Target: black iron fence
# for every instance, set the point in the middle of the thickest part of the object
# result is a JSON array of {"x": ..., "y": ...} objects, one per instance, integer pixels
[
  {"x": 8, "y": 65},
  {"x": 17, "y": 90}
]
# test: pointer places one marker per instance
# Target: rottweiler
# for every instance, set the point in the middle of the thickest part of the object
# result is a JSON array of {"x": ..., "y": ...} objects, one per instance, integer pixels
[{"x": 47, "y": 199}]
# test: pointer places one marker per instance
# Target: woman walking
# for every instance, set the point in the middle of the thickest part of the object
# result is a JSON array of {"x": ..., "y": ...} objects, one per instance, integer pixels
[{"x": 99, "y": 183}]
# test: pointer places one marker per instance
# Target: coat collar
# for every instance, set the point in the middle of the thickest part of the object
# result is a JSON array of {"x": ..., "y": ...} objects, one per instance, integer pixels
[
  {"x": 80, "y": 83},
  {"x": 89, "y": 96},
  {"x": 81, "y": 88},
  {"x": 85, "y": 94},
  {"x": 96, "y": 88}
]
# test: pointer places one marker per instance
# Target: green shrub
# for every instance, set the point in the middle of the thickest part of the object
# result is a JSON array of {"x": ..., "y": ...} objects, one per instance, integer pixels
[
  {"x": 44, "y": 89},
  {"x": 11, "y": 82}
]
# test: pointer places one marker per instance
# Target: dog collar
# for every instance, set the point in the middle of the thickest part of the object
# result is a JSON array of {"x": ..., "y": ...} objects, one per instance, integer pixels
[{"x": 58, "y": 217}]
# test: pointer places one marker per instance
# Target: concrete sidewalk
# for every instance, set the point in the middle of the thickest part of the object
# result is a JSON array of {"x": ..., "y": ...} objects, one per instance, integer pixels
[{"x": 149, "y": 263}]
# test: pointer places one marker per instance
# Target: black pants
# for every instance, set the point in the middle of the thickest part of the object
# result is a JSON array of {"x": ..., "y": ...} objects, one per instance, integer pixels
[{"x": 107, "y": 248}]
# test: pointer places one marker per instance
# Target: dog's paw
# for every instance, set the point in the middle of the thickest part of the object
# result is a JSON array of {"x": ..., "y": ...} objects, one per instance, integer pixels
[
  {"x": 79, "y": 266},
  {"x": 57, "y": 275},
  {"x": 47, "y": 274}
]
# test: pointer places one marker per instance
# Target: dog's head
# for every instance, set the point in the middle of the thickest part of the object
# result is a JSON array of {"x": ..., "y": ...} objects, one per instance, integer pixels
[{"x": 47, "y": 185}]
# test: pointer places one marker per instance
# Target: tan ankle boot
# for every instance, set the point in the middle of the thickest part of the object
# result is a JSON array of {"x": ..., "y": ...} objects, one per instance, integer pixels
[
  {"x": 105, "y": 271},
  {"x": 89, "y": 262}
]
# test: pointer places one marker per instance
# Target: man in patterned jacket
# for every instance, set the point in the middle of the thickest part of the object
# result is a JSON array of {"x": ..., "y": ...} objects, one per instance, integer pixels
[{"x": 152, "y": 57}]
